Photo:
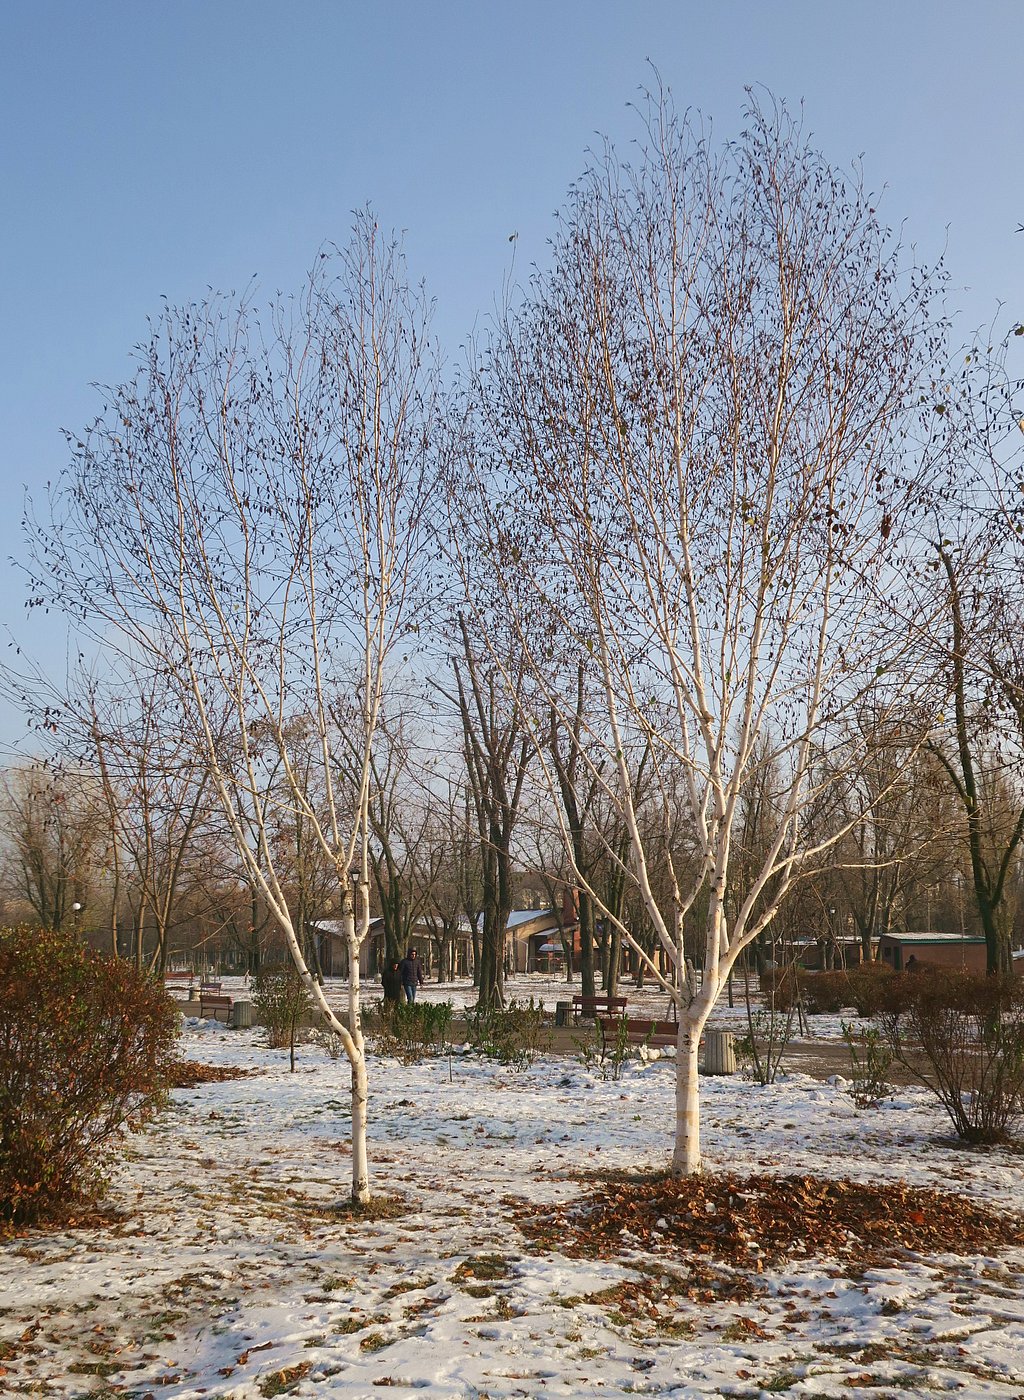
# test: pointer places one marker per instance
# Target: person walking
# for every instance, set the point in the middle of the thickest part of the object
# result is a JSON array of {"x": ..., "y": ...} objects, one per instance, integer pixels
[
  {"x": 411, "y": 971},
  {"x": 391, "y": 980}
]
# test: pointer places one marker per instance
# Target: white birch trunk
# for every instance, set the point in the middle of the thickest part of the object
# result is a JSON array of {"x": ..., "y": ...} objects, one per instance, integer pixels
[
  {"x": 350, "y": 1035},
  {"x": 686, "y": 1149},
  {"x": 357, "y": 1058},
  {"x": 360, "y": 1164}
]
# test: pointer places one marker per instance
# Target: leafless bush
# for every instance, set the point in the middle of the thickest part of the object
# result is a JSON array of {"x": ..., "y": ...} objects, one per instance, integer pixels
[{"x": 962, "y": 1036}]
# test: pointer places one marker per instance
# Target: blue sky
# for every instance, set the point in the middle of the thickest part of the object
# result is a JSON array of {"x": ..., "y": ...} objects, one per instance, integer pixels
[{"x": 160, "y": 149}]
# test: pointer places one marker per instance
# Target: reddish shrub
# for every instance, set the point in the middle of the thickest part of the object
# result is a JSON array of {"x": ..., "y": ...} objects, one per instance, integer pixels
[
  {"x": 86, "y": 1047},
  {"x": 873, "y": 986},
  {"x": 826, "y": 991},
  {"x": 869, "y": 987},
  {"x": 782, "y": 986}
]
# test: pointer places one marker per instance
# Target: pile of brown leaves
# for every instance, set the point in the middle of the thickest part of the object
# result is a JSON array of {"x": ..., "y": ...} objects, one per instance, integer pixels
[
  {"x": 71, "y": 1215},
  {"x": 189, "y": 1074},
  {"x": 745, "y": 1221}
]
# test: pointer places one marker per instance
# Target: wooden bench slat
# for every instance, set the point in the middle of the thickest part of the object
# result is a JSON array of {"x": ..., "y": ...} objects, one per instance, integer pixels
[
  {"x": 591, "y": 1006},
  {"x": 638, "y": 1030},
  {"x": 212, "y": 1003}
]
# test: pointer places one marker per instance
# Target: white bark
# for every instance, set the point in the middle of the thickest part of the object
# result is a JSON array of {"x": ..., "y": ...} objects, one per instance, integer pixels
[
  {"x": 355, "y": 1050},
  {"x": 702, "y": 406},
  {"x": 248, "y": 519},
  {"x": 686, "y": 1158}
]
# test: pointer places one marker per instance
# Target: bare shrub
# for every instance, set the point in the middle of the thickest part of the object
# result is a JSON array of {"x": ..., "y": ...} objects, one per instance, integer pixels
[
  {"x": 826, "y": 992},
  {"x": 513, "y": 1035},
  {"x": 874, "y": 987},
  {"x": 782, "y": 988},
  {"x": 411, "y": 1030},
  {"x": 962, "y": 1036},
  {"x": 86, "y": 1052},
  {"x": 869, "y": 987},
  {"x": 283, "y": 1005},
  {"x": 762, "y": 1048},
  {"x": 870, "y": 1062},
  {"x": 326, "y": 1040}
]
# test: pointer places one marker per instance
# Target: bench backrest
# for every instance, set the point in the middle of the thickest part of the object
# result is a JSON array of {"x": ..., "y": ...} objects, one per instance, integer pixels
[
  {"x": 218, "y": 1003},
  {"x": 599, "y": 1003},
  {"x": 639, "y": 1029}
]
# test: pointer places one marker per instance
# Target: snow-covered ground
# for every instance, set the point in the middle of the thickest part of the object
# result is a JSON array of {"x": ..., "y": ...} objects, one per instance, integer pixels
[{"x": 229, "y": 1273}]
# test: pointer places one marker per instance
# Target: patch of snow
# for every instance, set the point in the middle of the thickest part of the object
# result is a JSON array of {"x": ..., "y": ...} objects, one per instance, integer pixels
[{"x": 233, "y": 1274}]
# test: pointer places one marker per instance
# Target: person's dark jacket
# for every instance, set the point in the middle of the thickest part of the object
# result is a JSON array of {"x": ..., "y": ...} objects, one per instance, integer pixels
[
  {"x": 411, "y": 970},
  {"x": 391, "y": 981}
]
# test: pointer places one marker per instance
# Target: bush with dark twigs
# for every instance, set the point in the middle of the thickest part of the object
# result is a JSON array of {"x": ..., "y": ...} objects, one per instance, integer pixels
[
  {"x": 870, "y": 1062},
  {"x": 769, "y": 1028},
  {"x": 869, "y": 987},
  {"x": 593, "y": 1050},
  {"x": 513, "y": 1035},
  {"x": 781, "y": 987},
  {"x": 760, "y": 1051},
  {"x": 283, "y": 1006},
  {"x": 327, "y": 1040},
  {"x": 874, "y": 987},
  {"x": 962, "y": 1036},
  {"x": 87, "y": 1047},
  {"x": 825, "y": 993},
  {"x": 411, "y": 1030}
]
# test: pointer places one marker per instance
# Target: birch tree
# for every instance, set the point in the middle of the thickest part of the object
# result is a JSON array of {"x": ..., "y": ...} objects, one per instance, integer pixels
[
  {"x": 248, "y": 515},
  {"x": 691, "y": 455}
]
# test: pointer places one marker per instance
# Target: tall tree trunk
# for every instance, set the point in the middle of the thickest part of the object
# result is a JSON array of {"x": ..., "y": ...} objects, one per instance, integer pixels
[
  {"x": 585, "y": 912},
  {"x": 686, "y": 1151},
  {"x": 988, "y": 889}
]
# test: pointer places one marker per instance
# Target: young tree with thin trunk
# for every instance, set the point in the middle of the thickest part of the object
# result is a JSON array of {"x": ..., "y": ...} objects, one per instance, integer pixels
[
  {"x": 980, "y": 752},
  {"x": 691, "y": 453},
  {"x": 977, "y": 554},
  {"x": 157, "y": 802},
  {"x": 579, "y": 791},
  {"x": 497, "y": 748},
  {"x": 249, "y": 516}
]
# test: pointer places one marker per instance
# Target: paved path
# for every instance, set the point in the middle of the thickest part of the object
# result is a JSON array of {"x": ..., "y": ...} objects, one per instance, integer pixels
[{"x": 818, "y": 1058}]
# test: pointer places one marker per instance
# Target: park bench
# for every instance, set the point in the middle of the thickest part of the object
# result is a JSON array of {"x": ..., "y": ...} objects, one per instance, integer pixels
[
  {"x": 592, "y": 1006},
  {"x": 636, "y": 1030},
  {"x": 211, "y": 1004},
  {"x": 209, "y": 984}
]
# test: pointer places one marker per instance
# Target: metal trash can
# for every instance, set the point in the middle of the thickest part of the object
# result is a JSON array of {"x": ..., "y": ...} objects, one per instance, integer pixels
[
  {"x": 562, "y": 1012},
  {"x": 241, "y": 1015},
  {"x": 719, "y": 1053}
]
